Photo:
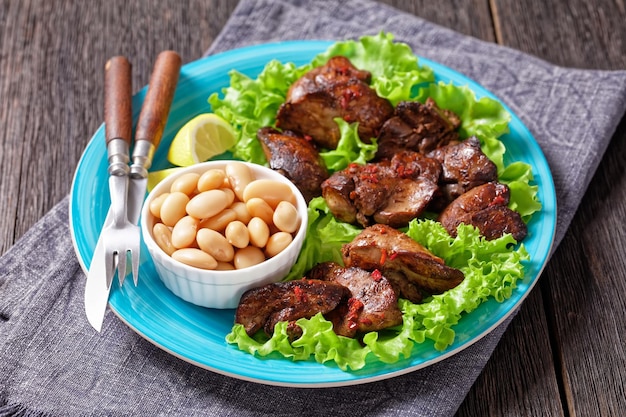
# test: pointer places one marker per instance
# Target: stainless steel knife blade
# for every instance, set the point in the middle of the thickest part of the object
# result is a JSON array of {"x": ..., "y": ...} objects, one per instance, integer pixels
[{"x": 97, "y": 286}]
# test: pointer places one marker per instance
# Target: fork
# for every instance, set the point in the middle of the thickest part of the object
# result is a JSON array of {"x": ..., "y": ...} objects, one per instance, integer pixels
[{"x": 121, "y": 238}]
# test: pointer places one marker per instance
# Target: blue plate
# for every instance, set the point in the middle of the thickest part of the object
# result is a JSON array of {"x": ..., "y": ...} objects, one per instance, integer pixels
[{"x": 196, "y": 334}]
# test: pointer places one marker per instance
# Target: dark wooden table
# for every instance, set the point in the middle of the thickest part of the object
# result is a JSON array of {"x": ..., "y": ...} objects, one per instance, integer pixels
[{"x": 564, "y": 353}]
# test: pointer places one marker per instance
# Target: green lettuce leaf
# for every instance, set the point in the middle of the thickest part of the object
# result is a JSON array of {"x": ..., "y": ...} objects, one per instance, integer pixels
[
  {"x": 350, "y": 149},
  {"x": 482, "y": 118},
  {"x": 249, "y": 104}
]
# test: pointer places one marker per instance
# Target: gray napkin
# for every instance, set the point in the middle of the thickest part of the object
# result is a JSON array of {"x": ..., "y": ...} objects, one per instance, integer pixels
[{"x": 52, "y": 363}]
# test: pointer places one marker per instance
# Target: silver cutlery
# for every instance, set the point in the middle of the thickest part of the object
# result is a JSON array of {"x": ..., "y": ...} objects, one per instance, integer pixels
[{"x": 120, "y": 235}]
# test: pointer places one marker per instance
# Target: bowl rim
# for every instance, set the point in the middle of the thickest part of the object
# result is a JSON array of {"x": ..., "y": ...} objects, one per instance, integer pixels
[{"x": 240, "y": 276}]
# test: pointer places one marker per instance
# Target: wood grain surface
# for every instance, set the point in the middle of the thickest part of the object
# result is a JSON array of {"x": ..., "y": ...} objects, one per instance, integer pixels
[{"x": 563, "y": 354}]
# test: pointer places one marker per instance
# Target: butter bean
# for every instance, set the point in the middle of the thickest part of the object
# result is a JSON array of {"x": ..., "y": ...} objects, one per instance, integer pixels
[
  {"x": 277, "y": 243},
  {"x": 173, "y": 208},
  {"x": 186, "y": 183},
  {"x": 220, "y": 220},
  {"x": 184, "y": 232},
  {"x": 212, "y": 179},
  {"x": 163, "y": 237},
  {"x": 224, "y": 266},
  {"x": 248, "y": 256},
  {"x": 207, "y": 204},
  {"x": 239, "y": 207},
  {"x": 286, "y": 217},
  {"x": 156, "y": 203},
  {"x": 237, "y": 234},
  {"x": 215, "y": 244},
  {"x": 259, "y": 232},
  {"x": 195, "y": 257},
  {"x": 273, "y": 192},
  {"x": 257, "y": 207},
  {"x": 239, "y": 176},
  {"x": 230, "y": 194}
]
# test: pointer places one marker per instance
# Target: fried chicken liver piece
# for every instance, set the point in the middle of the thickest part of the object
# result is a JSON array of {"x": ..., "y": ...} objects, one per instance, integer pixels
[
  {"x": 391, "y": 192},
  {"x": 464, "y": 166},
  {"x": 417, "y": 127},
  {"x": 265, "y": 306},
  {"x": 392, "y": 252},
  {"x": 335, "y": 90},
  {"x": 296, "y": 158},
  {"x": 373, "y": 304},
  {"x": 484, "y": 207},
  {"x": 337, "y": 69}
]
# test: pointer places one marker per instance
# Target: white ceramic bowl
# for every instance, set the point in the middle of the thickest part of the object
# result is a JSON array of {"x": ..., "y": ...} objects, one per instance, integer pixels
[{"x": 220, "y": 289}]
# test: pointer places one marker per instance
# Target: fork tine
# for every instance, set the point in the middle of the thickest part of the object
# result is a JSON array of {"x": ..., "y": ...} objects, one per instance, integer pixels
[
  {"x": 121, "y": 266},
  {"x": 135, "y": 265}
]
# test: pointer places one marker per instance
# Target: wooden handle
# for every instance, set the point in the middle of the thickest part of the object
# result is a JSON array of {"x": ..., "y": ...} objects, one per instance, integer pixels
[
  {"x": 118, "y": 117},
  {"x": 156, "y": 106}
]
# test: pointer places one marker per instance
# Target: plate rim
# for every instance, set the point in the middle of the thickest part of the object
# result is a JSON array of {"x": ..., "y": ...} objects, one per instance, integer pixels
[{"x": 316, "y": 46}]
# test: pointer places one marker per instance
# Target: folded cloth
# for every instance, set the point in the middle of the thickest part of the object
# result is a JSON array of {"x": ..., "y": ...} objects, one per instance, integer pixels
[{"x": 54, "y": 364}]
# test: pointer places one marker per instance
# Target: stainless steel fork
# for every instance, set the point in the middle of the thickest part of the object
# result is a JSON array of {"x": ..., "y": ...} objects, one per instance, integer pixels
[{"x": 121, "y": 238}]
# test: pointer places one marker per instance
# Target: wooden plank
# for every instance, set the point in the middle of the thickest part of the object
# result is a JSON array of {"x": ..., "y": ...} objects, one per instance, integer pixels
[
  {"x": 583, "y": 286},
  {"x": 587, "y": 288},
  {"x": 520, "y": 378},
  {"x": 470, "y": 17},
  {"x": 574, "y": 33}
]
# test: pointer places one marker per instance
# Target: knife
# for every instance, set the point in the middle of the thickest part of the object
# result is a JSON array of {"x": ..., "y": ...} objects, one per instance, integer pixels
[{"x": 118, "y": 128}]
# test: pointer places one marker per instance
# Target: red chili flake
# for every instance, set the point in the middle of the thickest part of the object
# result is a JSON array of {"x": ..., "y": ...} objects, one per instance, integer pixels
[
  {"x": 348, "y": 118},
  {"x": 383, "y": 256},
  {"x": 343, "y": 70},
  {"x": 497, "y": 201},
  {"x": 355, "y": 303},
  {"x": 343, "y": 102},
  {"x": 354, "y": 306},
  {"x": 300, "y": 295},
  {"x": 371, "y": 168},
  {"x": 376, "y": 275},
  {"x": 354, "y": 309},
  {"x": 369, "y": 177},
  {"x": 308, "y": 138},
  {"x": 393, "y": 256}
]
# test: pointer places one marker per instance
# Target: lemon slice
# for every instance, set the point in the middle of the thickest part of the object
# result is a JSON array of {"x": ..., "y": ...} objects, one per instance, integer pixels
[
  {"x": 200, "y": 139},
  {"x": 155, "y": 177}
]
